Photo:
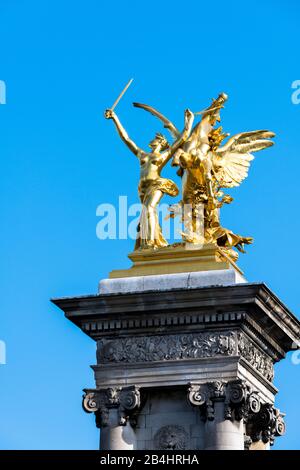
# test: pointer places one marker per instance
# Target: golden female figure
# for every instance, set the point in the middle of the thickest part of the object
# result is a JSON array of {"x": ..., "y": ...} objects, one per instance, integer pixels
[
  {"x": 152, "y": 186},
  {"x": 206, "y": 168}
]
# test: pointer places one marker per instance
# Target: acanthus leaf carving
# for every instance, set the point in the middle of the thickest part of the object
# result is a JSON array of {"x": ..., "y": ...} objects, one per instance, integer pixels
[
  {"x": 239, "y": 400},
  {"x": 266, "y": 424},
  {"x": 255, "y": 357},
  {"x": 143, "y": 349},
  {"x": 167, "y": 347}
]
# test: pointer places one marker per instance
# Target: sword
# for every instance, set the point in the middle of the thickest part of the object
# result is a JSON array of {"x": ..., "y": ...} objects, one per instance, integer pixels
[{"x": 121, "y": 94}]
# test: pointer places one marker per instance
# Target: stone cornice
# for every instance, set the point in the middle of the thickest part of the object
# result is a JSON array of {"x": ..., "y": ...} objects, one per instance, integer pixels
[{"x": 207, "y": 307}]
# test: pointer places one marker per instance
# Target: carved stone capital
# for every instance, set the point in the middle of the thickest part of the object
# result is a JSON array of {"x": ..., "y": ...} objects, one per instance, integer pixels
[
  {"x": 205, "y": 395},
  {"x": 265, "y": 425},
  {"x": 239, "y": 400},
  {"x": 125, "y": 399}
]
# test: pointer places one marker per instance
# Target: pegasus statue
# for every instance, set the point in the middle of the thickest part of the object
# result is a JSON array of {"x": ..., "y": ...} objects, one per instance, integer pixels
[{"x": 208, "y": 163}]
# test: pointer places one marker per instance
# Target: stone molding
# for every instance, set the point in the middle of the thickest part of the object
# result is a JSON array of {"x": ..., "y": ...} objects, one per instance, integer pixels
[
  {"x": 176, "y": 347},
  {"x": 125, "y": 399},
  {"x": 106, "y": 325},
  {"x": 97, "y": 315}
]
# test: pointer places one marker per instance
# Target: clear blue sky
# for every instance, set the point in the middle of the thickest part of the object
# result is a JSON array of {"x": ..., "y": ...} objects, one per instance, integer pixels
[{"x": 64, "y": 62}]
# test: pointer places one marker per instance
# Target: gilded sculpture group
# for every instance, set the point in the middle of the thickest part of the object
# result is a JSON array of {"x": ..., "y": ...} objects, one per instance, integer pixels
[{"x": 206, "y": 167}]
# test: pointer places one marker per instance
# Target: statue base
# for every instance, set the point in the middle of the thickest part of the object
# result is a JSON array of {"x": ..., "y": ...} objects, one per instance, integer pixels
[
  {"x": 160, "y": 282},
  {"x": 185, "y": 368},
  {"x": 176, "y": 259}
]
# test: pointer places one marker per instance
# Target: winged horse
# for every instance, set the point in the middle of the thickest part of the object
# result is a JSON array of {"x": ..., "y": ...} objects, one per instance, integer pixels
[{"x": 207, "y": 167}]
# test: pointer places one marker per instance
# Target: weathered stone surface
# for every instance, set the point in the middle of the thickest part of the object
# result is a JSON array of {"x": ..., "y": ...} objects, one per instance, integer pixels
[
  {"x": 215, "y": 416},
  {"x": 153, "y": 345},
  {"x": 252, "y": 305},
  {"x": 171, "y": 437},
  {"x": 191, "y": 280},
  {"x": 184, "y": 346}
]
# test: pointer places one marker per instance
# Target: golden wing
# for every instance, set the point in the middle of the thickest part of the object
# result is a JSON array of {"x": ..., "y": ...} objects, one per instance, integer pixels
[
  {"x": 167, "y": 123},
  {"x": 231, "y": 162}
]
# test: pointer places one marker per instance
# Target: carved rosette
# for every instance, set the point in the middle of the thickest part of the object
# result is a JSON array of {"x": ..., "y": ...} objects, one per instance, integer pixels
[
  {"x": 263, "y": 422},
  {"x": 100, "y": 402}
]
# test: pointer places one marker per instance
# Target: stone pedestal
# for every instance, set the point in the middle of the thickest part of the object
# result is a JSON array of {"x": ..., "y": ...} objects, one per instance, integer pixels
[
  {"x": 185, "y": 258},
  {"x": 184, "y": 362}
]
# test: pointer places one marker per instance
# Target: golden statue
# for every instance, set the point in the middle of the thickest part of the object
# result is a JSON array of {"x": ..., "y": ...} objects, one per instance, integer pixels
[
  {"x": 206, "y": 166},
  {"x": 152, "y": 186}
]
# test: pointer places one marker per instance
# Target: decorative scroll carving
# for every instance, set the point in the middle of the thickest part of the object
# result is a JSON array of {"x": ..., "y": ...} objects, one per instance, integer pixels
[
  {"x": 171, "y": 437},
  {"x": 254, "y": 403},
  {"x": 239, "y": 400},
  {"x": 89, "y": 402},
  {"x": 266, "y": 425},
  {"x": 263, "y": 421},
  {"x": 187, "y": 346},
  {"x": 255, "y": 357},
  {"x": 205, "y": 395},
  {"x": 200, "y": 395},
  {"x": 129, "y": 403},
  {"x": 126, "y": 400},
  {"x": 168, "y": 347}
]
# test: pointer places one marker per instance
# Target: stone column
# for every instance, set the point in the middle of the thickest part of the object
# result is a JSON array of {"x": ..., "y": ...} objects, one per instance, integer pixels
[
  {"x": 116, "y": 436},
  {"x": 114, "y": 410},
  {"x": 223, "y": 434},
  {"x": 224, "y": 429},
  {"x": 234, "y": 416}
]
